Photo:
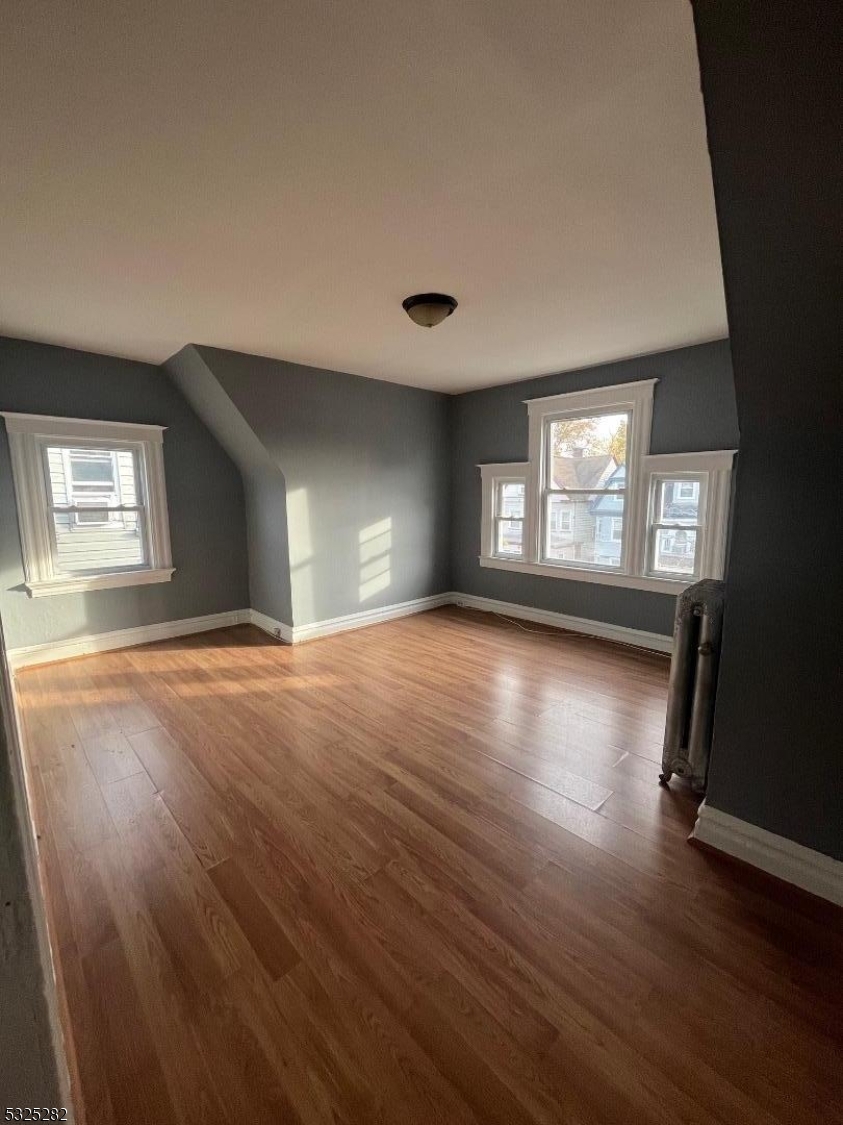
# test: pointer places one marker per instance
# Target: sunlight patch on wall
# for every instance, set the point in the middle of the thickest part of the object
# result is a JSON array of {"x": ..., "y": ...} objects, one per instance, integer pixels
[
  {"x": 380, "y": 544},
  {"x": 298, "y": 527},
  {"x": 300, "y": 542},
  {"x": 375, "y": 548}
]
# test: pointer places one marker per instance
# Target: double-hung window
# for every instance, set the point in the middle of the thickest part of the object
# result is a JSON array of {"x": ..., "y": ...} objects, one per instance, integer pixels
[
  {"x": 584, "y": 489},
  {"x": 504, "y": 510},
  {"x": 584, "y": 494},
  {"x": 92, "y": 505},
  {"x": 592, "y": 505},
  {"x": 674, "y": 527},
  {"x": 509, "y": 518},
  {"x": 688, "y": 504}
]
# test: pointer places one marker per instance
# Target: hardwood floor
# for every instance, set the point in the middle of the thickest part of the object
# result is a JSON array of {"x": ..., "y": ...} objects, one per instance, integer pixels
[{"x": 417, "y": 873}]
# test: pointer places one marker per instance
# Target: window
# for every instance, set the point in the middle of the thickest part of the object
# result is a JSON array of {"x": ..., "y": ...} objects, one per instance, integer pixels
[
  {"x": 584, "y": 481},
  {"x": 561, "y": 519},
  {"x": 91, "y": 500},
  {"x": 504, "y": 504},
  {"x": 594, "y": 506},
  {"x": 687, "y": 514},
  {"x": 509, "y": 517},
  {"x": 673, "y": 528},
  {"x": 687, "y": 490},
  {"x": 581, "y": 449},
  {"x": 90, "y": 481}
]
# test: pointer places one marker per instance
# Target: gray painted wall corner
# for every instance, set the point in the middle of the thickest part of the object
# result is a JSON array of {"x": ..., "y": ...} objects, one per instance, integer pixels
[
  {"x": 773, "y": 136},
  {"x": 264, "y": 487},
  {"x": 204, "y": 492},
  {"x": 367, "y": 474},
  {"x": 693, "y": 410}
]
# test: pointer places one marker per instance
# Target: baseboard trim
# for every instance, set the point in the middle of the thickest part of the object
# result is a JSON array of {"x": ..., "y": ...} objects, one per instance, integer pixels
[
  {"x": 792, "y": 862},
  {"x": 368, "y": 617},
  {"x": 658, "y": 642},
  {"x": 121, "y": 638},
  {"x": 144, "y": 634},
  {"x": 278, "y": 629}
]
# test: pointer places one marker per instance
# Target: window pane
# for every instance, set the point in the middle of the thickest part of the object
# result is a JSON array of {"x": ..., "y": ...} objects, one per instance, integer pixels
[
  {"x": 92, "y": 477},
  {"x": 92, "y": 466},
  {"x": 588, "y": 452},
  {"x": 585, "y": 529},
  {"x": 511, "y": 499},
  {"x": 510, "y": 537},
  {"x": 97, "y": 537},
  {"x": 679, "y": 501},
  {"x": 675, "y": 550}
]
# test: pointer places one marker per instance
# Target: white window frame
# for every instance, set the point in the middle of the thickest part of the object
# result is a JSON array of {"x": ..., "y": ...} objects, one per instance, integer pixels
[
  {"x": 713, "y": 472},
  {"x": 567, "y": 527},
  {"x": 29, "y": 435},
  {"x": 636, "y": 399},
  {"x": 493, "y": 476}
]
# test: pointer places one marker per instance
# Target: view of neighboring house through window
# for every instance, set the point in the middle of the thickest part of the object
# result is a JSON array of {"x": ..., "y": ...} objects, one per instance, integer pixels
[
  {"x": 509, "y": 518},
  {"x": 92, "y": 503},
  {"x": 592, "y": 504},
  {"x": 675, "y": 527},
  {"x": 585, "y": 489},
  {"x": 97, "y": 522}
]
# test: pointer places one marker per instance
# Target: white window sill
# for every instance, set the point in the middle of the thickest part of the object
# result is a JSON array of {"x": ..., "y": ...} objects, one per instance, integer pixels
[
  {"x": 672, "y": 586},
  {"x": 78, "y": 584}
]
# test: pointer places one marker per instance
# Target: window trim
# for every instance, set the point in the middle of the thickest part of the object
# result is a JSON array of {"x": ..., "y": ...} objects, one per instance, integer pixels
[
  {"x": 28, "y": 434},
  {"x": 636, "y": 397},
  {"x": 656, "y": 483},
  {"x": 713, "y": 469},
  {"x": 514, "y": 472}
]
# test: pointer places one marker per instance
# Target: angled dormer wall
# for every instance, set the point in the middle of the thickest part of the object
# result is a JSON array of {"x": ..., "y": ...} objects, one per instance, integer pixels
[
  {"x": 359, "y": 466},
  {"x": 264, "y": 488}
]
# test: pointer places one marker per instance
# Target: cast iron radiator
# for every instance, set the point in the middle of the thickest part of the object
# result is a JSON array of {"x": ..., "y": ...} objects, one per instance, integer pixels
[{"x": 693, "y": 680}]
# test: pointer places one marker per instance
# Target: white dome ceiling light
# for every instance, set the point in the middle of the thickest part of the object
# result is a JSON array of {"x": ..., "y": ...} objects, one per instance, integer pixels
[{"x": 429, "y": 309}]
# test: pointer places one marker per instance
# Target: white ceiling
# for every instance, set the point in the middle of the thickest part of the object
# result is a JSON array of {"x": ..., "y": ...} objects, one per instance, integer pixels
[{"x": 275, "y": 176}]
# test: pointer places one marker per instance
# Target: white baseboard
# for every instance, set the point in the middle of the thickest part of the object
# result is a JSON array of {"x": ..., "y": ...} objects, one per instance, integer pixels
[
  {"x": 164, "y": 630},
  {"x": 278, "y": 629},
  {"x": 810, "y": 870},
  {"x": 121, "y": 638},
  {"x": 365, "y": 617},
  {"x": 621, "y": 633}
]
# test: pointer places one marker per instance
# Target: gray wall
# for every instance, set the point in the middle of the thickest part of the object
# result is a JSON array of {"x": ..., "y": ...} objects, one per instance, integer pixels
[
  {"x": 265, "y": 490},
  {"x": 204, "y": 491},
  {"x": 28, "y": 1074},
  {"x": 366, "y": 467},
  {"x": 771, "y": 84},
  {"x": 693, "y": 410}
]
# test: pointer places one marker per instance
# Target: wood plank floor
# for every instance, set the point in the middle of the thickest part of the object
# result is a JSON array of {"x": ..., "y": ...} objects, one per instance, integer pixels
[{"x": 417, "y": 873}]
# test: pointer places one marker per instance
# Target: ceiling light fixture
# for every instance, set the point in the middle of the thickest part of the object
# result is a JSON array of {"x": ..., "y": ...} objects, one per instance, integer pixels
[{"x": 429, "y": 309}]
